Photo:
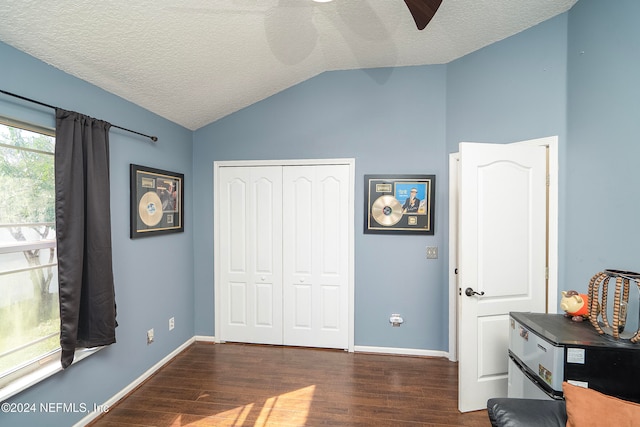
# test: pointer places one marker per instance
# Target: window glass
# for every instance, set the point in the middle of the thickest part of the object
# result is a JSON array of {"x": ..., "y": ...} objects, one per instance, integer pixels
[{"x": 30, "y": 326}]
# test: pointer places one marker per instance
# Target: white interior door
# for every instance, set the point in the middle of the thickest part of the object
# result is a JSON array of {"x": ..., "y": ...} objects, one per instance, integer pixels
[
  {"x": 502, "y": 258},
  {"x": 316, "y": 259},
  {"x": 251, "y": 254}
]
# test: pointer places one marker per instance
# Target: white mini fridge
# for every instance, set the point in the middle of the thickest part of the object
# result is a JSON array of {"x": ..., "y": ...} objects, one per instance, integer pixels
[{"x": 547, "y": 349}]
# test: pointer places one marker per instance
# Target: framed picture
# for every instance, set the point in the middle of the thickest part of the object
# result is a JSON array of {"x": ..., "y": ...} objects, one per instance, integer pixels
[
  {"x": 399, "y": 204},
  {"x": 157, "y": 202}
]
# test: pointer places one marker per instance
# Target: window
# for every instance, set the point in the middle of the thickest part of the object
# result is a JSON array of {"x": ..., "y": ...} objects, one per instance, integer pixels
[{"x": 29, "y": 306}]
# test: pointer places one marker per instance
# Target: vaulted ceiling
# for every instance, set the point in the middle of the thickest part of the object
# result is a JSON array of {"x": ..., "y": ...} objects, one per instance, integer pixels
[{"x": 196, "y": 61}]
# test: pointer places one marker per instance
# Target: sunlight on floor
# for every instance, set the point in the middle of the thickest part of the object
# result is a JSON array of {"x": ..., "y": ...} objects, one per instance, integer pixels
[
  {"x": 293, "y": 405},
  {"x": 288, "y": 408}
]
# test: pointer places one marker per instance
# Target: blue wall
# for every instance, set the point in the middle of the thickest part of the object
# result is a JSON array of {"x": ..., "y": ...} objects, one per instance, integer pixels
[
  {"x": 401, "y": 120},
  {"x": 390, "y": 121},
  {"x": 603, "y": 188},
  {"x": 511, "y": 91},
  {"x": 153, "y": 276},
  {"x": 572, "y": 76}
]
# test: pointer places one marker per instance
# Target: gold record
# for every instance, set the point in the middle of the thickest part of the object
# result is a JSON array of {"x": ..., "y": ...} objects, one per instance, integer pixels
[
  {"x": 386, "y": 210},
  {"x": 150, "y": 208}
]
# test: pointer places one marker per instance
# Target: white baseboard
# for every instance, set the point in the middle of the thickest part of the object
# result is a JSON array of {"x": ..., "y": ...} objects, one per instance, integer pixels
[
  {"x": 401, "y": 351},
  {"x": 205, "y": 338},
  {"x": 130, "y": 387}
]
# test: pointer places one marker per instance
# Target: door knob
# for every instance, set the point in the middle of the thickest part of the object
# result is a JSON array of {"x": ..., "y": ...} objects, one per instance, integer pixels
[{"x": 470, "y": 292}]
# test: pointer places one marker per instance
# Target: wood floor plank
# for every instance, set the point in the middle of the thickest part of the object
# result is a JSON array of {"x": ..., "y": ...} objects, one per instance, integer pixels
[{"x": 252, "y": 385}]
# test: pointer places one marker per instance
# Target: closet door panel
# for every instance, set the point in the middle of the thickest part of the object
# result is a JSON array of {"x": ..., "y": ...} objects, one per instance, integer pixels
[
  {"x": 300, "y": 234},
  {"x": 234, "y": 224},
  {"x": 237, "y": 304},
  {"x": 315, "y": 269},
  {"x": 302, "y": 306},
  {"x": 251, "y": 254}
]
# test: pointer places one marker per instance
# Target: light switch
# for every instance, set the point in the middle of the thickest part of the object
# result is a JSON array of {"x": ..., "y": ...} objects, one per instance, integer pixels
[{"x": 432, "y": 252}]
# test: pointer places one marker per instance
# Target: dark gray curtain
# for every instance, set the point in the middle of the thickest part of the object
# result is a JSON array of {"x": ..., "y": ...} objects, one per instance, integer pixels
[{"x": 83, "y": 229}]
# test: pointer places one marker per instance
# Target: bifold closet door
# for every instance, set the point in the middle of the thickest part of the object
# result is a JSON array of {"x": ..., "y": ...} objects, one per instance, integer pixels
[
  {"x": 251, "y": 254},
  {"x": 315, "y": 261}
]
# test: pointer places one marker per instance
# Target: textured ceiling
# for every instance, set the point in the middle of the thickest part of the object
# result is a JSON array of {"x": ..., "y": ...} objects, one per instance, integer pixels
[{"x": 196, "y": 61}]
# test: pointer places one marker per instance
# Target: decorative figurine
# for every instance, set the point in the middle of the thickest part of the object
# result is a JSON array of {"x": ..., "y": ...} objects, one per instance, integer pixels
[{"x": 575, "y": 305}]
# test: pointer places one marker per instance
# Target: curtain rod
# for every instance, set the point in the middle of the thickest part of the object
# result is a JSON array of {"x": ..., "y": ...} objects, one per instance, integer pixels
[{"x": 153, "y": 138}]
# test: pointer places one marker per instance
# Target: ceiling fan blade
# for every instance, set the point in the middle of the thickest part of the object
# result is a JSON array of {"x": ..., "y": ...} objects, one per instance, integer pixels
[{"x": 422, "y": 11}]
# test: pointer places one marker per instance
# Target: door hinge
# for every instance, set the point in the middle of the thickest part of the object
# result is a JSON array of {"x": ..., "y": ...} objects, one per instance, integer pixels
[{"x": 546, "y": 273}]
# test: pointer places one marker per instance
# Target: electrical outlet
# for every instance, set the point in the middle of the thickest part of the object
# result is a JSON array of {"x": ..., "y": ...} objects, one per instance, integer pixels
[
  {"x": 432, "y": 252},
  {"x": 172, "y": 323},
  {"x": 149, "y": 336},
  {"x": 396, "y": 320}
]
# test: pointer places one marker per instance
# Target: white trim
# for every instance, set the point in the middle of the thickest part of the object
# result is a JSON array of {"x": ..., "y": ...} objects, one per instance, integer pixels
[
  {"x": 8, "y": 248},
  {"x": 216, "y": 251},
  {"x": 133, "y": 385},
  {"x": 295, "y": 162},
  {"x": 31, "y": 150},
  {"x": 454, "y": 158},
  {"x": 205, "y": 338},
  {"x": 29, "y": 127},
  {"x": 48, "y": 368},
  {"x": 32, "y": 378},
  {"x": 401, "y": 351},
  {"x": 551, "y": 142},
  {"x": 352, "y": 255}
]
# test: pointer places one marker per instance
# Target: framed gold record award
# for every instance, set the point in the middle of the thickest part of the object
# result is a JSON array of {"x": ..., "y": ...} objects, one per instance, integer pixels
[
  {"x": 399, "y": 204},
  {"x": 157, "y": 201}
]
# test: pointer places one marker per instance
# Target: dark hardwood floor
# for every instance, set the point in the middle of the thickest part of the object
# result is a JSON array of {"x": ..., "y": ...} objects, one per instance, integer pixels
[{"x": 253, "y": 385}]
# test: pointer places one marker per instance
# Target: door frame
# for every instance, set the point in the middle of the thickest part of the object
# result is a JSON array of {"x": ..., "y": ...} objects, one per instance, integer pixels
[
  {"x": 551, "y": 143},
  {"x": 351, "y": 162}
]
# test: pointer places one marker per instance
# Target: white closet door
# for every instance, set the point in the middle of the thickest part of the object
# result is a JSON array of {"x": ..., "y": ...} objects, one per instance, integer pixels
[
  {"x": 251, "y": 254},
  {"x": 315, "y": 247}
]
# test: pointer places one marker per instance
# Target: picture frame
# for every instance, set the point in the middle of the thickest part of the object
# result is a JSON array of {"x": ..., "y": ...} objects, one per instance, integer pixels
[
  {"x": 399, "y": 204},
  {"x": 156, "y": 201}
]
